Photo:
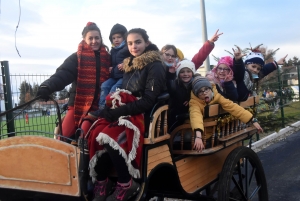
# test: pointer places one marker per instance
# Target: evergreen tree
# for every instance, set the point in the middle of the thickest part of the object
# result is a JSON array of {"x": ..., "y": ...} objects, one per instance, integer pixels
[{"x": 25, "y": 92}]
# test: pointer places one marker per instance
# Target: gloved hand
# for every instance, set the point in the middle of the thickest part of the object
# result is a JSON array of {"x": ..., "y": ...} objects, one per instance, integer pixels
[
  {"x": 44, "y": 93},
  {"x": 112, "y": 115},
  {"x": 106, "y": 113}
]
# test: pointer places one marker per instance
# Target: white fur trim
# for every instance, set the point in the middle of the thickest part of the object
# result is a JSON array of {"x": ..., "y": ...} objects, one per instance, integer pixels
[
  {"x": 116, "y": 97},
  {"x": 136, "y": 137},
  {"x": 93, "y": 163},
  {"x": 105, "y": 139}
]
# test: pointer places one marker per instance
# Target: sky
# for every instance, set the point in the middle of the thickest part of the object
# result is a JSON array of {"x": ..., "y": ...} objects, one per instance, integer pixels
[{"x": 50, "y": 31}]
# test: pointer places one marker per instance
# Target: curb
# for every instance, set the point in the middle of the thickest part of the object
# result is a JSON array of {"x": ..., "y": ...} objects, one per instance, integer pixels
[{"x": 275, "y": 137}]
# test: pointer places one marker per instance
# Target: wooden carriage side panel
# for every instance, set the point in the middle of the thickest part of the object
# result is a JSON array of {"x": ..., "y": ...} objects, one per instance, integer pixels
[
  {"x": 158, "y": 155},
  {"x": 197, "y": 171},
  {"x": 249, "y": 102},
  {"x": 40, "y": 164}
]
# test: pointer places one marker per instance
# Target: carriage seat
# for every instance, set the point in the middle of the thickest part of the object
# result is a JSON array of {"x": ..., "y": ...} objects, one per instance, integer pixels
[{"x": 158, "y": 120}]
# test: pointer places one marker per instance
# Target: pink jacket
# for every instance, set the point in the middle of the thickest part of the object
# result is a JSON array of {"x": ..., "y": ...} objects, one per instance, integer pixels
[{"x": 204, "y": 51}]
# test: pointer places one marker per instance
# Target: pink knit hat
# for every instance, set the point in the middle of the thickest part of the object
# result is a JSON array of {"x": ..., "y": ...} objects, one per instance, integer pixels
[
  {"x": 213, "y": 75},
  {"x": 228, "y": 61}
]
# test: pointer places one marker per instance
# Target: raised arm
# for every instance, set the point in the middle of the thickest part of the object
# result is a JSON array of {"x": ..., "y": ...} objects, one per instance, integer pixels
[
  {"x": 205, "y": 50},
  {"x": 270, "y": 67}
]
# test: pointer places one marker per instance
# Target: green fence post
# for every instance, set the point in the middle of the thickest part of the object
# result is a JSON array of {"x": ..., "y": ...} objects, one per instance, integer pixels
[
  {"x": 298, "y": 71},
  {"x": 280, "y": 100},
  {"x": 7, "y": 97}
]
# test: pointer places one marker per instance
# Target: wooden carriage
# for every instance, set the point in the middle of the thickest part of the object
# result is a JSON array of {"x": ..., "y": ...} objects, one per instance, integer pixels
[{"x": 41, "y": 168}]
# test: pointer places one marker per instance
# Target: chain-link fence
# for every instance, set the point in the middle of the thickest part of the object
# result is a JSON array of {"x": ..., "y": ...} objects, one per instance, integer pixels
[
  {"x": 279, "y": 99},
  {"x": 35, "y": 117}
]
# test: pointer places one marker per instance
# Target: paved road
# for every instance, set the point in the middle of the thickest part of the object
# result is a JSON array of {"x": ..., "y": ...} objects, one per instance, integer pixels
[{"x": 281, "y": 162}]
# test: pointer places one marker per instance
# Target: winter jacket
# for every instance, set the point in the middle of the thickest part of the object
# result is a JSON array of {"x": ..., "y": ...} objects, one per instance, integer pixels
[
  {"x": 66, "y": 74},
  {"x": 245, "y": 83},
  {"x": 197, "y": 109},
  {"x": 144, "y": 76},
  {"x": 117, "y": 57},
  {"x": 179, "y": 93},
  {"x": 204, "y": 51}
]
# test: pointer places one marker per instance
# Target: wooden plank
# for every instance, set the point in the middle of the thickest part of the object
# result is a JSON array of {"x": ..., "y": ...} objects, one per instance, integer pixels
[
  {"x": 194, "y": 152},
  {"x": 167, "y": 159},
  {"x": 39, "y": 164},
  {"x": 158, "y": 156},
  {"x": 157, "y": 150},
  {"x": 210, "y": 123},
  {"x": 155, "y": 140},
  {"x": 213, "y": 110},
  {"x": 249, "y": 102},
  {"x": 207, "y": 169}
]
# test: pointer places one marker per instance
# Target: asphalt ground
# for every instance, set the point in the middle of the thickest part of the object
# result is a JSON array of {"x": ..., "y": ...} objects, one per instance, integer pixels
[{"x": 281, "y": 162}]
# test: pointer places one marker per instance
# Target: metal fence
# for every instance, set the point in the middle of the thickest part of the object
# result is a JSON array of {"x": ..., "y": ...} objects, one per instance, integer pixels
[{"x": 36, "y": 117}]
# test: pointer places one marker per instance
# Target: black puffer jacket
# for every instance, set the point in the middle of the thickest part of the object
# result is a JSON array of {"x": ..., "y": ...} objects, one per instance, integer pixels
[
  {"x": 145, "y": 77},
  {"x": 117, "y": 57}
]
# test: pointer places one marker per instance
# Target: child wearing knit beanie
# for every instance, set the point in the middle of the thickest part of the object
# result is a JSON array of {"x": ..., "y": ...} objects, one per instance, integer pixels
[
  {"x": 204, "y": 93},
  {"x": 222, "y": 75},
  {"x": 180, "y": 91},
  {"x": 251, "y": 71}
]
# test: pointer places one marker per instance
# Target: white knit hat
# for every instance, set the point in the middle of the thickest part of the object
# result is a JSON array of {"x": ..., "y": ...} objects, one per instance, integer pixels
[
  {"x": 185, "y": 64},
  {"x": 255, "y": 58}
]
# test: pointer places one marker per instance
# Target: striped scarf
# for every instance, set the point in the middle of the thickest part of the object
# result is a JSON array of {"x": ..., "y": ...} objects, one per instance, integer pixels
[{"x": 88, "y": 78}]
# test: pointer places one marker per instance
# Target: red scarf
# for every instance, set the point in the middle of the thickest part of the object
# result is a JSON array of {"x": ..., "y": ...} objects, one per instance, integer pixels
[
  {"x": 85, "y": 99},
  {"x": 126, "y": 135}
]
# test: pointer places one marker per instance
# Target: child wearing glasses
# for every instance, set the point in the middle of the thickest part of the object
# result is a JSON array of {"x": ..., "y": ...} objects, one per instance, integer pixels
[
  {"x": 204, "y": 93},
  {"x": 222, "y": 76}
]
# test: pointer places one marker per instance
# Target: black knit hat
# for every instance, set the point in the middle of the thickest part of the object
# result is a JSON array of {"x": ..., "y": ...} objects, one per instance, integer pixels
[{"x": 117, "y": 29}]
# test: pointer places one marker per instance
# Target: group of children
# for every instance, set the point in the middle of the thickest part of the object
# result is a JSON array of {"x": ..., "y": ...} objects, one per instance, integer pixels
[{"x": 231, "y": 80}]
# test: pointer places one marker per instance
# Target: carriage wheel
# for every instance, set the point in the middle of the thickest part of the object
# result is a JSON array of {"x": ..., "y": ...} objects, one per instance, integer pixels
[{"x": 242, "y": 177}]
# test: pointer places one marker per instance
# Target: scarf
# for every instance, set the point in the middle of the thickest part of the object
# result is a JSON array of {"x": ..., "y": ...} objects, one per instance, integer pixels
[
  {"x": 125, "y": 135},
  {"x": 120, "y": 46},
  {"x": 89, "y": 76}
]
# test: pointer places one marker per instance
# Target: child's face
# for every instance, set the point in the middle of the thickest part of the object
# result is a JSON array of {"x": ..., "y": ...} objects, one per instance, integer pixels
[
  {"x": 206, "y": 94},
  {"x": 136, "y": 44},
  {"x": 222, "y": 71},
  {"x": 185, "y": 75},
  {"x": 117, "y": 39},
  {"x": 254, "y": 68},
  {"x": 169, "y": 56}
]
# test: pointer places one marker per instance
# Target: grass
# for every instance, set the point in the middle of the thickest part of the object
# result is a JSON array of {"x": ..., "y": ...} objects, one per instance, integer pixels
[
  {"x": 272, "y": 121},
  {"x": 38, "y": 125}
]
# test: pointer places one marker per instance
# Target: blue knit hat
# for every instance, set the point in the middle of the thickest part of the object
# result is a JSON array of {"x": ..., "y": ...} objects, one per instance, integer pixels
[{"x": 255, "y": 58}]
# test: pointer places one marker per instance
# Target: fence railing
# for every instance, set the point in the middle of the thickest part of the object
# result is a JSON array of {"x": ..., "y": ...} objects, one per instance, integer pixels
[{"x": 19, "y": 89}]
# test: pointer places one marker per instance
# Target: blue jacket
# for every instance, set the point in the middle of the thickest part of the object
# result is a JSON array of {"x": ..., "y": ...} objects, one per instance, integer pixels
[{"x": 117, "y": 57}]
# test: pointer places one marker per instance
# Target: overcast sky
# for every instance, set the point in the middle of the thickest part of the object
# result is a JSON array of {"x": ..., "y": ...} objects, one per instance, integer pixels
[{"x": 50, "y": 31}]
